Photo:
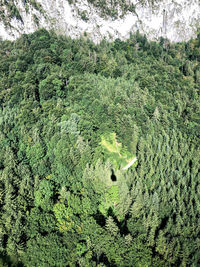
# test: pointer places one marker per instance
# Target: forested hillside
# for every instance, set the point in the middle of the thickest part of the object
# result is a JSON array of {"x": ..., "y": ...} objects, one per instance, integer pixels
[{"x": 70, "y": 111}]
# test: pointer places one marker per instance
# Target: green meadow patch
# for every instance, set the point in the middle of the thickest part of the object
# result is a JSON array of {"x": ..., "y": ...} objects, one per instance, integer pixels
[{"x": 115, "y": 152}]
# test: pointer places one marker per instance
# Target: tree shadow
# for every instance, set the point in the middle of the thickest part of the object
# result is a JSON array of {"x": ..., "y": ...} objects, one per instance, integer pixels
[
  {"x": 113, "y": 176},
  {"x": 7, "y": 261}
]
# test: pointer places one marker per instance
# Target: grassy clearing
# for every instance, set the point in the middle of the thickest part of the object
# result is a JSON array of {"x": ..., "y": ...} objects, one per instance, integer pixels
[
  {"x": 111, "y": 144},
  {"x": 115, "y": 152}
]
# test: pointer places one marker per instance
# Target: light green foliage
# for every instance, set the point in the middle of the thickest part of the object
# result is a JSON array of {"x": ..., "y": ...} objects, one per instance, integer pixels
[
  {"x": 34, "y": 153},
  {"x": 98, "y": 177},
  {"x": 111, "y": 144},
  {"x": 43, "y": 195},
  {"x": 111, "y": 226},
  {"x": 109, "y": 200},
  {"x": 118, "y": 155},
  {"x": 66, "y": 211},
  {"x": 71, "y": 125},
  {"x": 61, "y": 213},
  {"x": 81, "y": 248}
]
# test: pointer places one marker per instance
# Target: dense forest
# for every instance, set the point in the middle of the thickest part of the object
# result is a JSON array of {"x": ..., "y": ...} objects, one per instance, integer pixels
[{"x": 70, "y": 112}]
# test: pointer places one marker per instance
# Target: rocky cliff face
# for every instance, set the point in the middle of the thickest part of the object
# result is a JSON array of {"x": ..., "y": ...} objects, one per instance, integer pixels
[{"x": 176, "y": 20}]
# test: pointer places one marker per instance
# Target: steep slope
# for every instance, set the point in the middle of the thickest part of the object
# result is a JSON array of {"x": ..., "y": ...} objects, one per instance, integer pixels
[{"x": 176, "y": 20}]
